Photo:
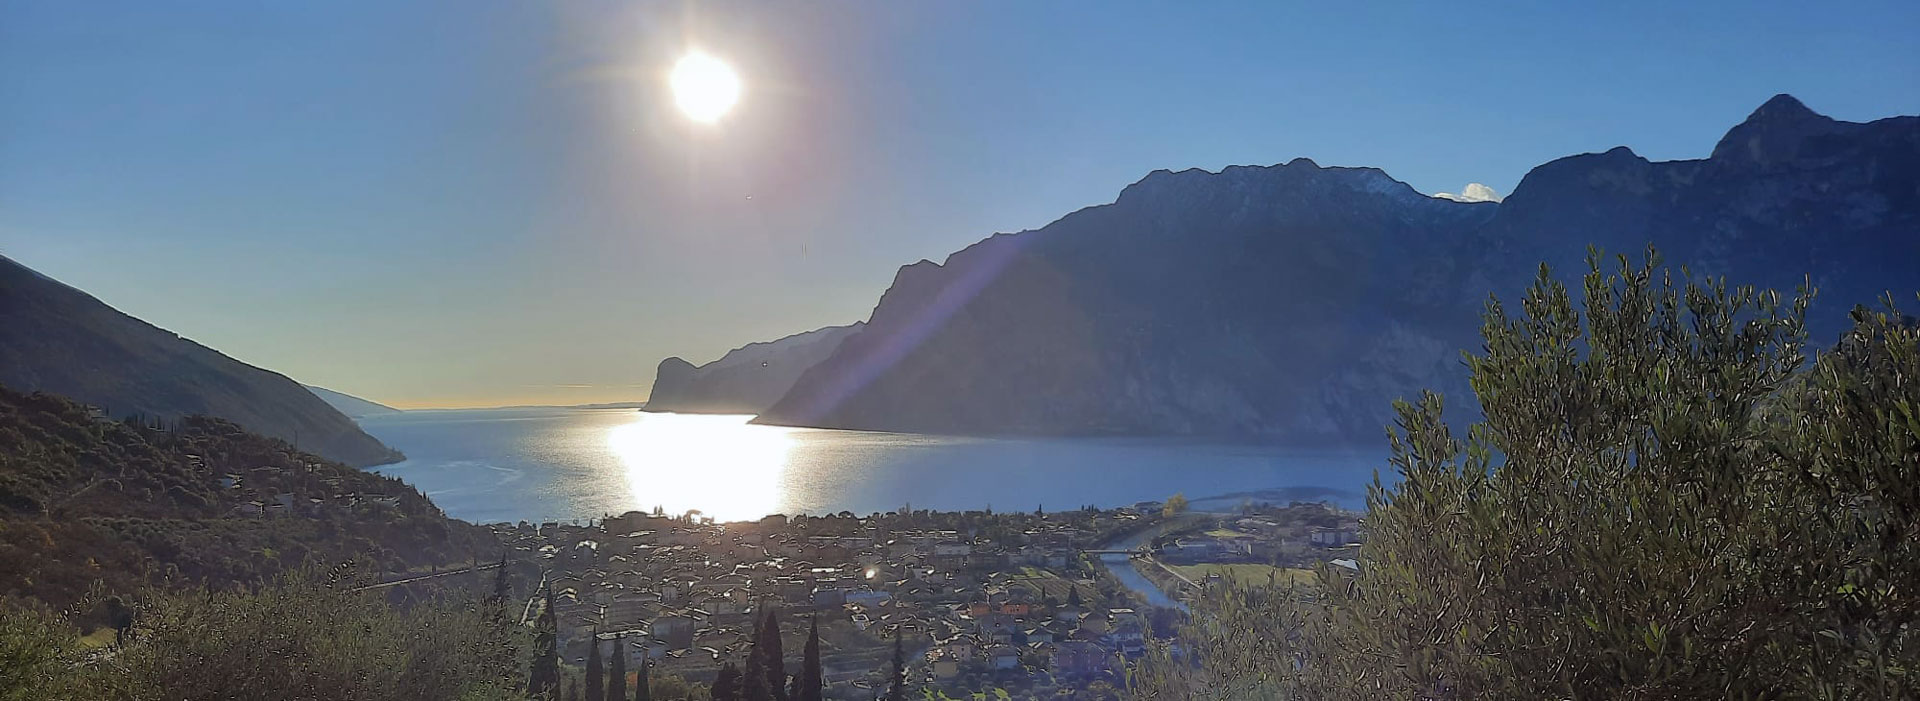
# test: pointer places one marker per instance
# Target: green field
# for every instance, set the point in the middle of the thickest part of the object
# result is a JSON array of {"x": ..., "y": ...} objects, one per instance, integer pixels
[
  {"x": 1047, "y": 582},
  {"x": 1247, "y": 573}
]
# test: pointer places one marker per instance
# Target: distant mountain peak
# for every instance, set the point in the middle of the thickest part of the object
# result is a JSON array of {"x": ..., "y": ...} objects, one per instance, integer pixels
[
  {"x": 1782, "y": 107},
  {"x": 747, "y": 379},
  {"x": 1295, "y": 301},
  {"x": 1165, "y": 185},
  {"x": 1774, "y": 132}
]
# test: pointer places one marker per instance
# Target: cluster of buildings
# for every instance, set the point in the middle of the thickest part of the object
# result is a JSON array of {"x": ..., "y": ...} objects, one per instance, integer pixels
[
  {"x": 268, "y": 491},
  {"x": 1001, "y": 595},
  {"x": 1291, "y": 536}
]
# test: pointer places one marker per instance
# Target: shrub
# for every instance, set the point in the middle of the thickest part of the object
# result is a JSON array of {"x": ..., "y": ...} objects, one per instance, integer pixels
[
  {"x": 307, "y": 636},
  {"x": 1664, "y": 500}
]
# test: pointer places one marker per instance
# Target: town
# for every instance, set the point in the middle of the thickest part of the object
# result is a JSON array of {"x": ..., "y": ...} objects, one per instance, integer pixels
[{"x": 1029, "y": 603}]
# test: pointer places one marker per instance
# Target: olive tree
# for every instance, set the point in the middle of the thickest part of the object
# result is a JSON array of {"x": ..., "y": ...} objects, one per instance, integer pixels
[
  {"x": 303, "y": 637},
  {"x": 1665, "y": 499}
]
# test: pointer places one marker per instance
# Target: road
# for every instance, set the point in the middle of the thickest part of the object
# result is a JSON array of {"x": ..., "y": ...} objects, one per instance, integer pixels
[
  {"x": 424, "y": 577},
  {"x": 1170, "y": 570}
]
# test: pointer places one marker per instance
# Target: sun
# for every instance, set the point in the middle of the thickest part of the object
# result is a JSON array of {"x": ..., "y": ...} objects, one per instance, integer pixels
[{"x": 704, "y": 87}]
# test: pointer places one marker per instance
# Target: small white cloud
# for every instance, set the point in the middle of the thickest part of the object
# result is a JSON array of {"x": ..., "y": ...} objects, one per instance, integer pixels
[{"x": 1473, "y": 192}]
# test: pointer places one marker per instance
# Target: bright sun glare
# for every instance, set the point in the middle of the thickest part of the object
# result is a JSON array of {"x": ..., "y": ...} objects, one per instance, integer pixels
[
  {"x": 676, "y": 463},
  {"x": 704, "y": 86}
]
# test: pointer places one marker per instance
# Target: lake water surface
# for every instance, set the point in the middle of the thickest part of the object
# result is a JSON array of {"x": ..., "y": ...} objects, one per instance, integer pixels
[{"x": 576, "y": 464}]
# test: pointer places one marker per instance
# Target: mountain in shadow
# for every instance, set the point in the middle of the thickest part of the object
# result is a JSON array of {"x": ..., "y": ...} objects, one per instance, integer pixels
[
  {"x": 59, "y": 340},
  {"x": 352, "y": 406},
  {"x": 746, "y": 380},
  {"x": 1295, "y": 302}
]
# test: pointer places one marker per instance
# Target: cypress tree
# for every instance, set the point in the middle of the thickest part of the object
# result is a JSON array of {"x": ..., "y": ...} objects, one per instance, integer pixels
[
  {"x": 774, "y": 661},
  {"x": 753, "y": 684},
  {"x": 596, "y": 691},
  {"x": 810, "y": 680},
  {"x": 544, "y": 679},
  {"x": 897, "y": 691},
  {"x": 502, "y": 587},
  {"x": 617, "y": 670},
  {"x": 642, "y": 685},
  {"x": 726, "y": 685},
  {"x": 503, "y": 623},
  {"x": 755, "y": 650}
]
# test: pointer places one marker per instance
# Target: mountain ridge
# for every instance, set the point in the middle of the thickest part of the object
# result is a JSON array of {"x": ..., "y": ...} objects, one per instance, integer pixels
[
  {"x": 354, "y": 407},
  {"x": 1341, "y": 288},
  {"x": 746, "y": 380},
  {"x": 58, "y": 339},
  {"x": 1107, "y": 371}
]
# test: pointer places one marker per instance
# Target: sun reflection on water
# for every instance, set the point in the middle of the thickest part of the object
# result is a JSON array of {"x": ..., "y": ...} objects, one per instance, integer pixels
[{"x": 718, "y": 464}]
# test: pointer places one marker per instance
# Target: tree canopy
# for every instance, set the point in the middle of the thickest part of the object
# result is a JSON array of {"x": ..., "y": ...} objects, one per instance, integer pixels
[
  {"x": 309, "y": 635},
  {"x": 1665, "y": 499},
  {"x": 1176, "y": 505}
]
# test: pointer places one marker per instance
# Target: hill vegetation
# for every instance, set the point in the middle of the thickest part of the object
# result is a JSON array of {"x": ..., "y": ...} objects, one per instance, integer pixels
[
  {"x": 308, "y": 635},
  {"x": 191, "y": 559},
  {"x": 189, "y": 502}
]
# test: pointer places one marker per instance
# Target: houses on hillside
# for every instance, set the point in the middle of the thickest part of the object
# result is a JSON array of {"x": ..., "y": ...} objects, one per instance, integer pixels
[{"x": 970, "y": 594}]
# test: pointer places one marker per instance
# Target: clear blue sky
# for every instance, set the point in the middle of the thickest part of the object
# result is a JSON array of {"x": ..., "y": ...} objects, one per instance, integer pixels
[{"x": 485, "y": 202}]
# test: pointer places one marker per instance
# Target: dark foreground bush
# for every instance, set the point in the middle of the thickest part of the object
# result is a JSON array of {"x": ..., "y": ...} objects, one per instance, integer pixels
[
  {"x": 308, "y": 636},
  {"x": 1665, "y": 500}
]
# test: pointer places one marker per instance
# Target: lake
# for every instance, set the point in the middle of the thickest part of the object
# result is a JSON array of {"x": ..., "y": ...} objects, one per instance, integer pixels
[{"x": 575, "y": 464}]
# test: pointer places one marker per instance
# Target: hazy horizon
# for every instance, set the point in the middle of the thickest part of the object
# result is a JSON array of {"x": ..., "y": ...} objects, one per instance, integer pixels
[{"x": 468, "y": 205}]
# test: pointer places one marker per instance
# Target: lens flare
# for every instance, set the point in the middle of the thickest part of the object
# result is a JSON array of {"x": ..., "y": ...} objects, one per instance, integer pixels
[
  {"x": 679, "y": 462},
  {"x": 705, "y": 87}
]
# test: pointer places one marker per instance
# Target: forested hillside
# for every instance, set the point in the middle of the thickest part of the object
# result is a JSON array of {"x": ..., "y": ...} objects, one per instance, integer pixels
[{"x": 192, "y": 501}]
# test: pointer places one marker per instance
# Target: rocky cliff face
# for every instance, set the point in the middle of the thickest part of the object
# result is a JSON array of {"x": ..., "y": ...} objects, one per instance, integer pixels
[
  {"x": 1787, "y": 195},
  {"x": 59, "y": 340},
  {"x": 1295, "y": 302},
  {"x": 746, "y": 380},
  {"x": 1196, "y": 304}
]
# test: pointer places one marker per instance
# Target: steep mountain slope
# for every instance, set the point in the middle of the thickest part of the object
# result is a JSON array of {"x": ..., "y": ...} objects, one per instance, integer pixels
[
  {"x": 350, "y": 405},
  {"x": 1251, "y": 302},
  {"x": 746, "y": 380},
  {"x": 1296, "y": 302},
  {"x": 1787, "y": 194},
  {"x": 57, "y": 339}
]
